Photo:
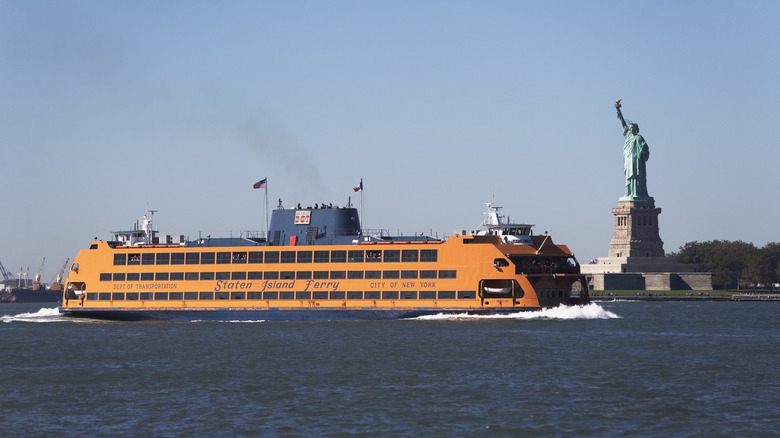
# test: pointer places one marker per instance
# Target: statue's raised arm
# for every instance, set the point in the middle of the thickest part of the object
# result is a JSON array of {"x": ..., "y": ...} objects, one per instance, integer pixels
[{"x": 620, "y": 114}]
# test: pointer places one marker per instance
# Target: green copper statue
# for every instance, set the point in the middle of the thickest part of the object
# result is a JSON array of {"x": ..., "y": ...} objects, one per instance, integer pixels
[{"x": 635, "y": 154}]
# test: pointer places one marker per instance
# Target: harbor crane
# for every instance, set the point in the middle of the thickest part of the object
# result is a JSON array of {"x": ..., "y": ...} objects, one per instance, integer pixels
[
  {"x": 58, "y": 282},
  {"x": 7, "y": 276},
  {"x": 37, "y": 282}
]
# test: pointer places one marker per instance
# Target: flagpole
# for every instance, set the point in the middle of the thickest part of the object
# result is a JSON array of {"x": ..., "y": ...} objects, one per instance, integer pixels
[{"x": 266, "y": 212}]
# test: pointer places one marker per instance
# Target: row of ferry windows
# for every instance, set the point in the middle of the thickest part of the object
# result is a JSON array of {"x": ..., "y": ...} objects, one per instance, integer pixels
[
  {"x": 277, "y": 275},
  {"x": 225, "y": 258},
  {"x": 286, "y": 295}
]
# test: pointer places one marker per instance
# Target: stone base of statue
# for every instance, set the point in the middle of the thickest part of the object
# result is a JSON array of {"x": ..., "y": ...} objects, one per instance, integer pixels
[{"x": 636, "y": 258}]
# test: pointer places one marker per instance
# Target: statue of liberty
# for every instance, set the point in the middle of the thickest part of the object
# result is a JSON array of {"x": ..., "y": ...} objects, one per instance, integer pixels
[{"x": 635, "y": 154}]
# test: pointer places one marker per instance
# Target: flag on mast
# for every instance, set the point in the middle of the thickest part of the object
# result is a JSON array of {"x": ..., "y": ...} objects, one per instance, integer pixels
[
  {"x": 359, "y": 187},
  {"x": 261, "y": 184}
]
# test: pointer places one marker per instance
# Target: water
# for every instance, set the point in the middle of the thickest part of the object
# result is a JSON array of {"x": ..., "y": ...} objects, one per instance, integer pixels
[{"x": 609, "y": 369}]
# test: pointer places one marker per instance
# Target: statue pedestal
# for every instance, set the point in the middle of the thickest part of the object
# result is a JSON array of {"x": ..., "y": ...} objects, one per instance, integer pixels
[
  {"x": 636, "y": 230},
  {"x": 636, "y": 258}
]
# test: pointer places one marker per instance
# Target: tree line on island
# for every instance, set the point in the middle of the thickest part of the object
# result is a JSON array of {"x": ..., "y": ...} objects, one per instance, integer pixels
[{"x": 734, "y": 265}]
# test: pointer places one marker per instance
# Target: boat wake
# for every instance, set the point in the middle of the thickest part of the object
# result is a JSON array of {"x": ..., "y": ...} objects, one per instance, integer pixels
[
  {"x": 590, "y": 311},
  {"x": 43, "y": 315}
]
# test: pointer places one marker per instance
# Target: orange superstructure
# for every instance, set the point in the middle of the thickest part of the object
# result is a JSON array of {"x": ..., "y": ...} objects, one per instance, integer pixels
[{"x": 295, "y": 274}]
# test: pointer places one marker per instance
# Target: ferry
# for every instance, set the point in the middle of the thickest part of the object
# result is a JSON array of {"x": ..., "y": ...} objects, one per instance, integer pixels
[{"x": 317, "y": 263}]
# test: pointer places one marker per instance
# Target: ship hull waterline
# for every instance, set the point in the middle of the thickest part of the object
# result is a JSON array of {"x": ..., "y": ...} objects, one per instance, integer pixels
[{"x": 279, "y": 315}]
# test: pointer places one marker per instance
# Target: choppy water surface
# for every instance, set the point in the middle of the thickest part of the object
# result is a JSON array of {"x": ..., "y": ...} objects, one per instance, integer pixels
[{"x": 607, "y": 369}]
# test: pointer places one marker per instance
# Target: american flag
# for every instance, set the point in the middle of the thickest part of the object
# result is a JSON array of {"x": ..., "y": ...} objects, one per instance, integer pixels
[{"x": 260, "y": 184}]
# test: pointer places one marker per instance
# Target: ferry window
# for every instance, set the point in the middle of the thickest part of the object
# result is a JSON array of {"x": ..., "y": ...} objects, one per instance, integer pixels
[
  {"x": 147, "y": 276},
  {"x": 338, "y": 275},
  {"x": 320, "y": 275},
  {"x": 270, "y": 295},
  {"x": 238, "y": 295},
  {"x": 338, "y": 256},
  {"x": 288, "y": 257},
  {"x": 354, "y": 295},
  {"x": 429, "y": 255},
  {"x": 446, "y": 294},
  {"x": 223, "y": 276},
  {"x": 191, "y": 276},
  {"x": 106, "y": 276},
  {"x": 206, "y": 275},
  {"x": 133, "y": 276},
  {"x": 161, "y": 276},
  {"x": 408, "y": 274},
  {"x": 355, "y": 275},
  {"x": 467, "y": 294},
  {"x": 304, "y": 256},
  {"x": 161, "y": 296},
  {"x": 389, "y": 294},
  {"x": 321, "y": 256},
  {"x": 254, "y": 275},
  {"x": 337, "y": 295},
  {"x": 221, "y": 295},
  {"x": 287, "y": 295},
  {"x": 119, "y": 276},
  {"x": 131, "y": 296},
  {"x": 134, "y": 259},
  {"x": 427, "y": 294},
  {"x": 410, "y": 255},
  {"x": 163, "y": 258},
  {"x": 392, "y": 255},
  {"x": 303, "y": 275},
  {"x": 92, "y": 296},
  {"x": 427, "y": 274},
  {"x": 286, "y": 275},
  {"x": 320, "y": 295},
  {"x": 118, "y": 296},
  {"x": 374, "y": 255},
  {"x": 390, "y": 274},
  {"x": 190, "y": 295},
  {"x": 373, "y": 274},
  {"x": 193, "y": 258},
  {"x": 255, "y": 257},
  {"x": 239, "y": 257},
  {"x": 448, "y": 273},
  {"x": 238, "y": 276},
  {"x": 145, "y": 296},
  {"x": 207, "y": 258},
  {"x": 147, "y": 258},
  {"x": 272, "y": 257},
  {"x": 254, "y": 295},
  {"x": 104, "y": 296},
  {"x": 271, "y": 275},
  {"x": 206, "y": 296},
  {"x": 223, "y": 258},
  {"x": 120, "y": 259},
  {"x": 356, "y": 256},
  {"x": 177, "y": 276},
  {"x": 372, "y": 295},
  {"x": 175, "y": 296},
  {"x": 408, "y": 295},
  {"x": 177, "y": 258}
]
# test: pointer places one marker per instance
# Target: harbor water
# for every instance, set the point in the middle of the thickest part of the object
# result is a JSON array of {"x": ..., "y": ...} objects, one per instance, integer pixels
[{"x": 653, "y": 369}]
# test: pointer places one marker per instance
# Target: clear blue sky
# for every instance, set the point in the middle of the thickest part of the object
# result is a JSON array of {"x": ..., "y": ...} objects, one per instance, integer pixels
[{"x": 106, "y": 106}]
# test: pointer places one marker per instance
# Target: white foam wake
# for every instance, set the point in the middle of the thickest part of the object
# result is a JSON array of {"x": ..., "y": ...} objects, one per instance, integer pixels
[
  {"x": 590, "y": 311},
  {"x": 43, "y": 315}
]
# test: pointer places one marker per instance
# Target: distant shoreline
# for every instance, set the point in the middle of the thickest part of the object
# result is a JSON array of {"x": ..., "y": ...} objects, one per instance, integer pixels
[{"x": 718, "y": 297}]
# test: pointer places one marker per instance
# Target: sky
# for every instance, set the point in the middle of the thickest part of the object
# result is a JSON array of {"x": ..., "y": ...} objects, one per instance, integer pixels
[{"x": 108, "y": 108}]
